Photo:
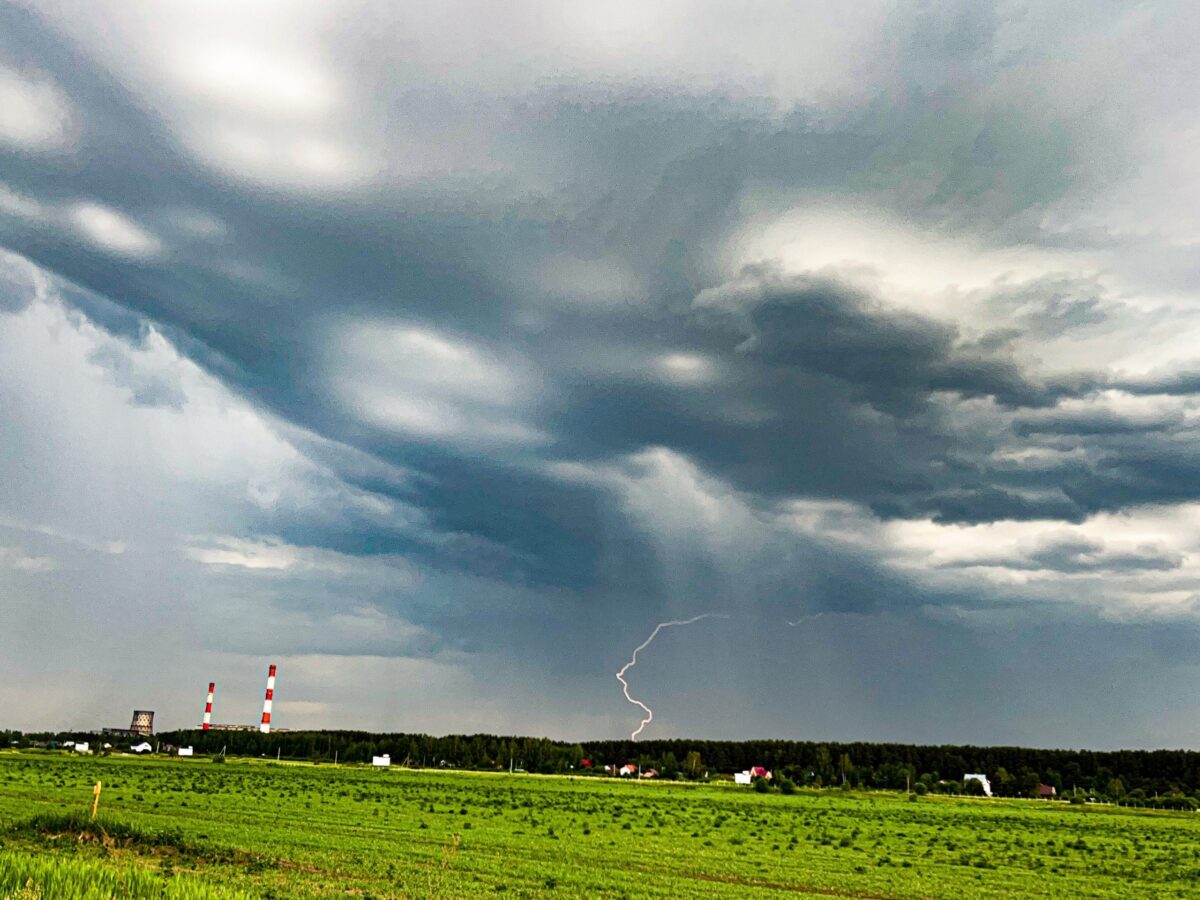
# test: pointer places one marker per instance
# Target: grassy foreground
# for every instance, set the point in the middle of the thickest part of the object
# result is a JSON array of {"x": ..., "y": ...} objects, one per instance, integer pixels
[{"x": 193, "y": 829}]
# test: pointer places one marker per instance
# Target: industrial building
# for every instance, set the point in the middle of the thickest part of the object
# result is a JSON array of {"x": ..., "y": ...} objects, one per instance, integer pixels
[
  {"x": 142, "y": 725},
  {"x": 264, "y": 724}
]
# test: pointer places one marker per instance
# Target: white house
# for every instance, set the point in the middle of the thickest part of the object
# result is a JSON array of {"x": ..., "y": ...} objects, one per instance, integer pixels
[
  {"x": 982, "y": 779},
  {"x": 385, "y": 760},
  {"x": 143, "y": 747},
  {"x": 184, "y": 751},
  {"x": 750, "y": 774}
]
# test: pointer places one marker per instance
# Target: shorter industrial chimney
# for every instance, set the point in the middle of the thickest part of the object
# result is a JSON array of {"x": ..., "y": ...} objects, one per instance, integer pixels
[
  {"x": 265, "y": 727},
  {"x": 208, "y": 707}
]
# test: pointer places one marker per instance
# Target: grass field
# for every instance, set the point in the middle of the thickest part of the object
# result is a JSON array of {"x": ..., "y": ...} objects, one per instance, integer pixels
[{"x": 193, "y": 829}]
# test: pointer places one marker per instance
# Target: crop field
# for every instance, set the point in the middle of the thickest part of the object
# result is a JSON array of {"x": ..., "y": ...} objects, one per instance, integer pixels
[{"x": 195, "y": 829}]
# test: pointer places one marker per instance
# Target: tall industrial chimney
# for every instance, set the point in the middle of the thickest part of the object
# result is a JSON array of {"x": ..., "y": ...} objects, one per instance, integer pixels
[
  {"x": 265, "y": 727},
  {"x": 208, "y": 707}
]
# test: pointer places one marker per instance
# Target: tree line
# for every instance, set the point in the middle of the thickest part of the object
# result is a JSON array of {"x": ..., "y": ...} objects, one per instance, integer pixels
[{"x": 1121, "y": 775}]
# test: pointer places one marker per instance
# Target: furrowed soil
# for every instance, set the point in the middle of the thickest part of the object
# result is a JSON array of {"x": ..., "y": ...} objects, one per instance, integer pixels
[{"x": 248, "y": 828}]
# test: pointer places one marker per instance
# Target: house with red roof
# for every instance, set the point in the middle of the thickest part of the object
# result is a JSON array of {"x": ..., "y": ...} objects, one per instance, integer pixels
[{"x": 750, "y": 774}]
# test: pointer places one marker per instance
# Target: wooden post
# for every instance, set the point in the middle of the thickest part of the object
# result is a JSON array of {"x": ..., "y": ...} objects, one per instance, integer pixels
[{"x": 95, "y": 799}]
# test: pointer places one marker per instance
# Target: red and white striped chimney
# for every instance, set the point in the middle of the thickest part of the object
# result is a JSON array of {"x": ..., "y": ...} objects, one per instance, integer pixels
[
  {"x": 265, "y": 727},
  {"x": 208, "y": 707}
]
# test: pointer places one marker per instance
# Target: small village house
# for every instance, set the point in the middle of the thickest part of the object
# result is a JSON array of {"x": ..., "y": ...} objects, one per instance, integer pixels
[{"x": 750, "y": 774}]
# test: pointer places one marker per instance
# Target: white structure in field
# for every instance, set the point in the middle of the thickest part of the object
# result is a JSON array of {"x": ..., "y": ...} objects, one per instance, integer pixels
[
  {"x": 385, "y": 760},
  {"x": 81, "y": 748},
  {"x": 185, "y": 751},
  {"x": 143, "y": 747},
  {"x": 982, "y": 779},
  {"x": 750, "y": 774}
]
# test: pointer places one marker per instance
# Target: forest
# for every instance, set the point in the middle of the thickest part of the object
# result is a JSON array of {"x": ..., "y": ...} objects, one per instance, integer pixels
[{"x": 1142, "y": 777}]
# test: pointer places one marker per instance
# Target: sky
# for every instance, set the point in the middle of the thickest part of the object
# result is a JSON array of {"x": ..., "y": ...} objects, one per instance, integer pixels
[{"x": 436, "y": 352}]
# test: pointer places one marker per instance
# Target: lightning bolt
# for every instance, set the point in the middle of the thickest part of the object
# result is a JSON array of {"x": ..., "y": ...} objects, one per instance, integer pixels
[{"x": 633, "y": 662}]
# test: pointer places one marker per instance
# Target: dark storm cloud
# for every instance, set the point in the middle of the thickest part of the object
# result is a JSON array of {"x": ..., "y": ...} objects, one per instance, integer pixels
[
  {"x": 554, "y": 260},
  {"x": 897, "y": 360},
  {"x": 1095, "y": 423},
  {"x": 973, "y": 506},
  {"x": 1178, "y": 383},
  {"x": 1074, "y": 555}
]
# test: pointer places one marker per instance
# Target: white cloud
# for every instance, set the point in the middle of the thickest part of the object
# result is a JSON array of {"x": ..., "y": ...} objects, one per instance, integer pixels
[
  {"x": 686, "y": 368},
  {"x": 114, "y": 232},
  {"x": 19, "y": 561},
  {"x": 15, "y": 204},
  {"x": 288, "y": 158},
  {"x": 944, "y": 276},
  {"x": 292, "y": 96},
  {"x": 273, "y": 554},
  {"x": 683, "y": 510},
  {"x": 1139, "y": 563},
  {"x": 247, "y": 554},
  {"x": 115, "y": 548},
  {"x": 34, "y": 114},
  {"x": 417, "y": 381},
  {"x": 254, "y": 77}
]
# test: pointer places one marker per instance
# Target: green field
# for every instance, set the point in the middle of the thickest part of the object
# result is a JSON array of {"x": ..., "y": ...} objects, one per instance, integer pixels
[{"x": 191, "y": 828}]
